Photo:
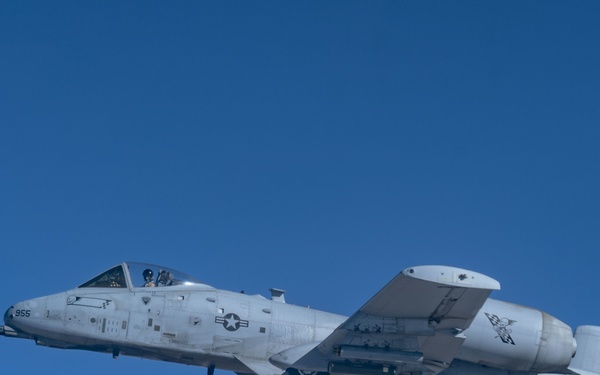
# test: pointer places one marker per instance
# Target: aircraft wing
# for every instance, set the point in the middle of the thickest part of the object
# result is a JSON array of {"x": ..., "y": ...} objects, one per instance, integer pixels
[
  {"x": 259, "y": 367},
  {"x": 414, "y": 323}
]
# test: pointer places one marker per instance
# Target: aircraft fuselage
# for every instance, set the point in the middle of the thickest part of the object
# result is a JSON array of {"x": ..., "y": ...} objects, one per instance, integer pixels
[
  {"x": 210, "y": 327},
  {"x": 176, "y": 318}
]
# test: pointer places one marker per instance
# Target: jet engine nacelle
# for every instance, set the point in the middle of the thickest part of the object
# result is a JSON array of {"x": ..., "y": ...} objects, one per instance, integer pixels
[
  {"x": 518, "y": 338},
  {"x": 587, "y": 359}
]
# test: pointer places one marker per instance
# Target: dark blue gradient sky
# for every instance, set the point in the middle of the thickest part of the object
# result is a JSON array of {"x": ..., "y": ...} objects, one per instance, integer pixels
[{"x": 318, "y": 147}]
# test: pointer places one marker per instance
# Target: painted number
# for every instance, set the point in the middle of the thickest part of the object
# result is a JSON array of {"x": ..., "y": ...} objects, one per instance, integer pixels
[{"x": 23, "y": 313}]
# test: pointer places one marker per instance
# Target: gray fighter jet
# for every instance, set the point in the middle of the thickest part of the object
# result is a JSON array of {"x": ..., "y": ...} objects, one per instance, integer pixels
[{"x": 427, "y": 320}]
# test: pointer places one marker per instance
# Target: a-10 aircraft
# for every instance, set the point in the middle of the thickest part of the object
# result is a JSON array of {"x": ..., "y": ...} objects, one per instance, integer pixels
[{"x": 427, "y": 320}]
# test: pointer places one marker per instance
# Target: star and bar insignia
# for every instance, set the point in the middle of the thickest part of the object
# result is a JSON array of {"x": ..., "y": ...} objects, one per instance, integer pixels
[{"x": 231, "y": 322}]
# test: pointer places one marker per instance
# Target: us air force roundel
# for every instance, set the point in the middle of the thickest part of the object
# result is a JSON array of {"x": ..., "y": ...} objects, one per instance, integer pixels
[{"x": 231, "y": 322}]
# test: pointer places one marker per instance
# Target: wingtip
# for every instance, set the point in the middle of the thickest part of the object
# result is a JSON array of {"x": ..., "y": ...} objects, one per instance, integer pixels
[{"x": 452, "y": 276}]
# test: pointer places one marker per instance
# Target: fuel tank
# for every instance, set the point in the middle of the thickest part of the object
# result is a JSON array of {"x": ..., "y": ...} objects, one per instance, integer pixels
[{"x": 518, "y": 338}]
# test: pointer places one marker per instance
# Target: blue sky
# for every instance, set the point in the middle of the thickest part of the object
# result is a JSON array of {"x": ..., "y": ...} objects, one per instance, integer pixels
[{"x": 318, "y": 147}]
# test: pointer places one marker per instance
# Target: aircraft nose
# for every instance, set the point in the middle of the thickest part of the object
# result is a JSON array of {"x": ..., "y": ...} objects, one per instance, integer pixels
[
  {"x": 9, "y": 314},
  {"x": 17, "y": 314},
  {"x": 22, "y": 317},
  {"x": 9, "y": 328}
]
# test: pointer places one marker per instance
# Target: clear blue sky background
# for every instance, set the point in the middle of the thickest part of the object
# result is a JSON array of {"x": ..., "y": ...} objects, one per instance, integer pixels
[{"x": 318, "y": 147}]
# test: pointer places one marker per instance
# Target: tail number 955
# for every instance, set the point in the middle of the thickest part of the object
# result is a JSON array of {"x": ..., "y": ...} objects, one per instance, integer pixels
[{"x": 23, "y": 313}]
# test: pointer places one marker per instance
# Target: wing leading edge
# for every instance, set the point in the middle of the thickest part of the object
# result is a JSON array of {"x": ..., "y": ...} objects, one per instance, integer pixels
[{"x": 414, "y": 323}]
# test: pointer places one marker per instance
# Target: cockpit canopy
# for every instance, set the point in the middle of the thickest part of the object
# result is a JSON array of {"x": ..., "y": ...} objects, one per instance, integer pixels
[{"x": 139, "y": 275}]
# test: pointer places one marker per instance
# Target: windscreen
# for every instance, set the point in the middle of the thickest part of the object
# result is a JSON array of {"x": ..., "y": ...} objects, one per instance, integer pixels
[{"x": 113, "y": 278}]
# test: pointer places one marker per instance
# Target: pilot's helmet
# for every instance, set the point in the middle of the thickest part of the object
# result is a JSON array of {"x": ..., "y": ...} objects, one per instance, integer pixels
[{"x": 148, "y": 274}]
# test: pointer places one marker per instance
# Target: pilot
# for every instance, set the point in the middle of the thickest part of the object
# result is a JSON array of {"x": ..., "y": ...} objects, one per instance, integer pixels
[
  {"x": 148, "y": 278},
  {"x": 164, "y": 278}
]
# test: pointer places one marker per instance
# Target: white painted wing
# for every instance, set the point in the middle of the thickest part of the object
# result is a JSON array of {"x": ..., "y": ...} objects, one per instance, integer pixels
[{"x": 414, "y": 323}]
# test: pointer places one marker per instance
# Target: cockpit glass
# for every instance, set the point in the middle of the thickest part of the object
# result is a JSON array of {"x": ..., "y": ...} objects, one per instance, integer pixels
[
  {"x": 113, "y": 278},
  {"x": 140, "y": 275},
  {"x": 152, "y": 276}
]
